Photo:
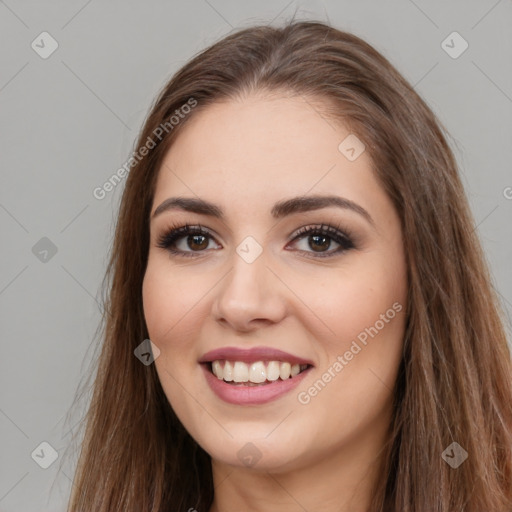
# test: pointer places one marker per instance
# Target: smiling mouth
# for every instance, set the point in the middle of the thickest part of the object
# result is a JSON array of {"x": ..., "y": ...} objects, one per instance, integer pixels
[{"x": 258, "y": 373}]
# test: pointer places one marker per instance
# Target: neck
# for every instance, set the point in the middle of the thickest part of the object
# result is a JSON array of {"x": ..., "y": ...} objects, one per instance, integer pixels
[{"x": 343, "y": 481}]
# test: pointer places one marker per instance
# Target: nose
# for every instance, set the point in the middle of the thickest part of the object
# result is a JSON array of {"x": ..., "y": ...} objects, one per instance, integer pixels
[{"x": 250, "y": 296}]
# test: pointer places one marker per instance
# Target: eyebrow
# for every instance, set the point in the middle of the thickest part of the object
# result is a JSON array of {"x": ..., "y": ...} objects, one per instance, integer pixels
[{"x": 279, "y": 210}]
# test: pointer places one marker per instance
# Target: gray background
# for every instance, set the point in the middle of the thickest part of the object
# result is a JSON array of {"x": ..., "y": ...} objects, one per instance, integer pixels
[{"x": 68, "y": 122}]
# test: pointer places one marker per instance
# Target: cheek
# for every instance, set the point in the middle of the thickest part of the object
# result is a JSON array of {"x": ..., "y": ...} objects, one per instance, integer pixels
[
  {"x": 170, "y": 317},
  {"x": 369, "y": 321},
  {"x": 171, "y": 302},
  {"x": 175, "y": 309},
  {"x": 353, "y": 385},
  {"x": 364, "y": 306},
  {"x": 349, "y": 301},
  {"x": 156, "y": 300}
]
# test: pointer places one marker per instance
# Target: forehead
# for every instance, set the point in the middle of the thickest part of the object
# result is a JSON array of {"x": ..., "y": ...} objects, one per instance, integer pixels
[{"x": 262, "y": 148}]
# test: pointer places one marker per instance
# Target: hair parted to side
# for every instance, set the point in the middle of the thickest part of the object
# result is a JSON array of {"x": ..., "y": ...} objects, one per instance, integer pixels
[{"x": 454, "y": 380}]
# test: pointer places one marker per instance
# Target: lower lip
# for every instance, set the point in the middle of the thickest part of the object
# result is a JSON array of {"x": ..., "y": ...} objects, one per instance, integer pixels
[{"x": 251, "y": 395}]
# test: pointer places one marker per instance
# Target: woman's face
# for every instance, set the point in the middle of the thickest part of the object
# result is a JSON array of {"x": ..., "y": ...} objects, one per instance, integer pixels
[{"x": 298, "y": 266}]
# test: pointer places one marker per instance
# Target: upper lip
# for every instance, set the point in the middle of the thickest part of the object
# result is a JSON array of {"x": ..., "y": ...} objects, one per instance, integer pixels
[{"x": 250, "y": 355}]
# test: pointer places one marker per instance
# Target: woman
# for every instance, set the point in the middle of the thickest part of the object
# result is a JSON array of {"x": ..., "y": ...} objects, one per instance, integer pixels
[{"x": 294, "y": 240}]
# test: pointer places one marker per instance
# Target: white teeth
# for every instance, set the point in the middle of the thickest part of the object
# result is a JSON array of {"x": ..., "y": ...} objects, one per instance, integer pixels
[
  {"x": 273, "y": 370},
  {"x": 257, "y": 372},
  {"x": 228, "y": 371},
  {"x": 240, "y": 372},
  {"x": 217, "y": 370},
  {"x": 285, "y": 371}
]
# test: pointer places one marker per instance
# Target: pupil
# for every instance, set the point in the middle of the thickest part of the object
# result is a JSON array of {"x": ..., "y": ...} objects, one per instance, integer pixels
[
  {"x": 325, "y": 244},
  {"x": 195, "y": 238}
]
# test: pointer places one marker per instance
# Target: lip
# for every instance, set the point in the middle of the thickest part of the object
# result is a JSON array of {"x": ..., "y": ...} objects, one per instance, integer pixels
[
  {"x": 251, "y": 395},
  {"x": 251, "y": 355}
]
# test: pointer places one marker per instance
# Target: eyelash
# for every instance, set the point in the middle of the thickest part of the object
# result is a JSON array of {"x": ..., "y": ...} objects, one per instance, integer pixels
[{"x": 338, "y": 234}]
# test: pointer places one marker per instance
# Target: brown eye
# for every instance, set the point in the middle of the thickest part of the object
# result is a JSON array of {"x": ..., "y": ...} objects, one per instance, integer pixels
[
  {"x": 197, "y": 242},
  {"x": 185, "y": 240},
  {"x": 193, "y": 240},
  {"x": 318, "y": 239},
  {"x": 319, "y": 243}
]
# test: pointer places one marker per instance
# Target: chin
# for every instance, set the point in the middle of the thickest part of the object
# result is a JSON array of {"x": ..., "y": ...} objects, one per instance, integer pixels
[{"x": 254, "y": 452}]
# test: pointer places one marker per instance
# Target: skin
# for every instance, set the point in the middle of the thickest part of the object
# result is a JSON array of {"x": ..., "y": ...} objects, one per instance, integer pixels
[{"x": 244, "y": 155}]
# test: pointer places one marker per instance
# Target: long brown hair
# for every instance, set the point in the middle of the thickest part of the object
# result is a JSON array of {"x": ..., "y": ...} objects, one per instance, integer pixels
[{"x": 454, "y": 381}]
